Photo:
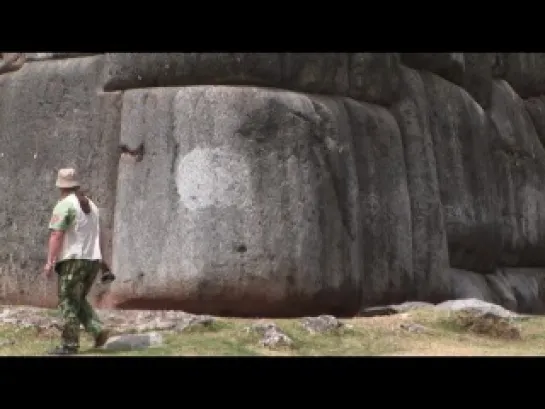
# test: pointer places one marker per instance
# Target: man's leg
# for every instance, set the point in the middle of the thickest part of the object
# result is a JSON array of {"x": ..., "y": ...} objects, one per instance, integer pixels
[
  {"x": 86, "y": 314},
  {"x": 70, "y": 291}
]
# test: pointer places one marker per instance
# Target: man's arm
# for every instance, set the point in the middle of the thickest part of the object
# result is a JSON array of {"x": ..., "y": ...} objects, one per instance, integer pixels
[
  {"x": 62, "y": 218},
  {"x": 55, "y": 244}
]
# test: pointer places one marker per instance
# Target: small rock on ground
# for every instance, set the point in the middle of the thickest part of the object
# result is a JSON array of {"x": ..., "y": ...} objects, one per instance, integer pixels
[
  {"x": 272, "y": 336},
  {"x": 129, "y": 342},
  {"x": 321, "y": 324}
]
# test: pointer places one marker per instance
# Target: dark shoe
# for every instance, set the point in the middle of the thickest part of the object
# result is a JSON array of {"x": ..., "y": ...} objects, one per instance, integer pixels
[
  {"x": 63, "y": 350},
  {"x": 101, "y": 338}
]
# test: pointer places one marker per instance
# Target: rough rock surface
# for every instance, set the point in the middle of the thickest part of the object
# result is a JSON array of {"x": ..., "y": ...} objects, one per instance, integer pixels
[
  {"x": 11, "y": 62},
  {"x": 284, "y": 183},
  {"x": 119, "y": 321},
  {"x": 469, "y": 304},
  {"x": 479, "y": 307},
  {"x": 321, "y": 324},
  {"x": 51, "y": 115},
  {"x": 271, "y": 335},
  {"x": 485, "y": 323}
]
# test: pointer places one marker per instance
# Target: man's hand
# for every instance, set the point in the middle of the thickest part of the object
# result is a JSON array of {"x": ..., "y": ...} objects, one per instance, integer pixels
[
  {"x": 48, "y": 269},
  {"x": 55, "y": 244},
  {"x": 107, "y": 275},
  {"x": 104, "y": 266}
]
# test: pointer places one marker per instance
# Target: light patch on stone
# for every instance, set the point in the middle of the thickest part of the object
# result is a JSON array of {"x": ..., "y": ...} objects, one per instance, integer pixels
[
  {"x": 213, "y": 177},
  {"x": 134, "y": 341}
]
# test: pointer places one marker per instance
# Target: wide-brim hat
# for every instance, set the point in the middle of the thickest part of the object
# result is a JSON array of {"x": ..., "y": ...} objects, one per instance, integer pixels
[{"x": 67, "y": 178}]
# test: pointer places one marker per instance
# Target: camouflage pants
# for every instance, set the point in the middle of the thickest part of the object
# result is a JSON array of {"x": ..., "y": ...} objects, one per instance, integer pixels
[{"x": 76, "y": 278}]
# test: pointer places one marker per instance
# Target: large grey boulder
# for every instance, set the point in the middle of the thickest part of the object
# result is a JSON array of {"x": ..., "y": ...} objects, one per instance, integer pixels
[{"x": 235, "y": 206}]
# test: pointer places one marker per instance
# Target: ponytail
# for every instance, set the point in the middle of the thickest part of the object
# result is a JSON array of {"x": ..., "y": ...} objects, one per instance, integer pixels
[{"x": 83, "y": 201}]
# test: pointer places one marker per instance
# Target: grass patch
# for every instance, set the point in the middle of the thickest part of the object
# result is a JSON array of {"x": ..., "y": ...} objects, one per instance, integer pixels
[{"x": 437, "y": 333}]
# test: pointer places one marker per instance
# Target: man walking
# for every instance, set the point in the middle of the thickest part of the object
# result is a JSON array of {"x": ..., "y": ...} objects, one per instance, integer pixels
[{"x": 75, "y": 252}]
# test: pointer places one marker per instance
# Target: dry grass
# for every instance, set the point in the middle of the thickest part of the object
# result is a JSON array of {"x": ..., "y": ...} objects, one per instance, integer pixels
[{"x": 435, "y": 334}]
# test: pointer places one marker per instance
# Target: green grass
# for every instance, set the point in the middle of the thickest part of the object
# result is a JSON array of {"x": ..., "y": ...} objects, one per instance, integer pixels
[{"x": 444, "y": 334}]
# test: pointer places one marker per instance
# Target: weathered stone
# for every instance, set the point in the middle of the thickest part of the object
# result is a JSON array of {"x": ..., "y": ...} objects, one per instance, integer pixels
[
  {"x": 128, "y": 342},
  {"x": 480, "y": 70},
  {"x": 156, "y": 326},
  {"x": 519, "y": 164},
  {"x": 275, "y": 339},
  {"x": 536, "y": 109},
  {"x": 412, "y": 305},
  {"x": 239, "y": 169},
  {"x": 124, "y": 71},
  {"x": 321, "y": 324},
  {"x": 464, "y": 164},
  {"x": 371, "y": 77},
  {"x": 477, "y": 306},
  {"x": 271, "y": 335},
  {"x": 195, "y": 321},
  {"x": 487, "y": 323},
  {"x": 450, "y": 66},
  {"x": 120, "y": 322},
  {"x": 374, "y": 77},
  {"x": 525, "y": 72}
]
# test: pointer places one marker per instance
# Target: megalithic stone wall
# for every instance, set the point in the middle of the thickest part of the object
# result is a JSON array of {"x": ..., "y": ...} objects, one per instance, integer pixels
[
  {"x": 53, "y": 113},
  {"x": 283, "y": 184}
]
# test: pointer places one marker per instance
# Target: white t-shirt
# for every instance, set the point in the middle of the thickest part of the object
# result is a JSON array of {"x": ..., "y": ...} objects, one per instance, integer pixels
[{"x": 82, "y": 231}]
